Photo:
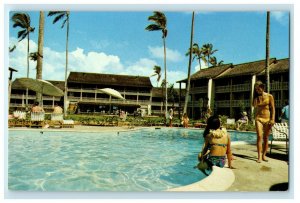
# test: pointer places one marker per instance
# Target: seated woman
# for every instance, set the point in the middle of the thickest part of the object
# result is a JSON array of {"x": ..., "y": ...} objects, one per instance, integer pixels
[
  {"x": 243, "y": 120},
  {"x": 185, "y": 120},
  {"x": 217, "y": 144}
]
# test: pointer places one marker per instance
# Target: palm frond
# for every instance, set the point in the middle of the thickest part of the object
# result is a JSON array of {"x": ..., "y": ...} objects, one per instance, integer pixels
[
  {"x": 63, "y": 25},
  {"x": 57, "y": 18},
  {"x": 153, "y": 27},
  {"x": 22, "y": 32}
]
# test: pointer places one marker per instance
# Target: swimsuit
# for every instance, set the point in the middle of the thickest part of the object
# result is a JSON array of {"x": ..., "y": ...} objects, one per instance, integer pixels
[{"x": 216, "y": 161}]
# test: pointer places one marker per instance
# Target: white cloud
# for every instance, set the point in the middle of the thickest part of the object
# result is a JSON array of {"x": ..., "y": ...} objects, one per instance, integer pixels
[
  {"x": 172, "y": 55},
  {"x": 281, "y": 17},
  {"x": 95, "y": 62},
  {"x": 203, "y": 66}
]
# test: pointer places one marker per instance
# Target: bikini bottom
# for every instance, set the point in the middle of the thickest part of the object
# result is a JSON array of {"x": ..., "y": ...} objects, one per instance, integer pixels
[{"x": 217, "y": 161}]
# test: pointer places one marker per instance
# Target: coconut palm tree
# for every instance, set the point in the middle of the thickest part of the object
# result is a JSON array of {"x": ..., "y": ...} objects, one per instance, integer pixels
[
  {"x": 268, "y": 52},
  {"x": 189, "y": 67},
  {"x": 160, "y": 23},
  {"x": 198, "y": 53},
  {"x": 157, "y": 71},
  {"x": 39, "y": 65},
  {"x": 173, "y": 94},
  {"x": 65, "y": 16},
  {"x": 208, "y": 51},
  {"x": 213, "y": 61},
  {"x": 22, "y": 20}
]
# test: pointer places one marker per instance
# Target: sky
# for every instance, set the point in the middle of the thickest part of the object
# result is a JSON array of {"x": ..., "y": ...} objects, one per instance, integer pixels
[{"x": 116, "y": 42}]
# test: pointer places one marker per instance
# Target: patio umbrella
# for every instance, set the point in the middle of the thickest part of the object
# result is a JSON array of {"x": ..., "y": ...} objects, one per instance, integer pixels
[
  {"x": 112, "y": 92},
  {"x": 40, "y": 86}
]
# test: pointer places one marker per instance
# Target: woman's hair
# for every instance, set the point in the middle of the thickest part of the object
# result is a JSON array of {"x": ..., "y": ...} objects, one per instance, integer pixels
[
  {"x": 258, "y": 84},
  {"x": 213, "y": 123}
]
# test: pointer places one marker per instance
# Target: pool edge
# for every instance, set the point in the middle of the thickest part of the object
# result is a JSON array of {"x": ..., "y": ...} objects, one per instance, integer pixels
[{"x": 219, "y": 180}]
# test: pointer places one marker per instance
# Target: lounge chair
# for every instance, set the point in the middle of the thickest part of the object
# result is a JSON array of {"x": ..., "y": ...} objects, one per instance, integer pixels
[
  {"x": 57, "y": 120},
  {"x": 37, "y": 119},
  {"x": 280, "y": 132},
  {"x": 19, "y": 117},
  {"x": 68, "y": 124}
]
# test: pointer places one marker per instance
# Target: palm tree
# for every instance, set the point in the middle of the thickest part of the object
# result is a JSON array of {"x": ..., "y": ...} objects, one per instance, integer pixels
[
  {"x": 198, "y": 53},
  {"x": 65, "y": 15},
  {"x": 208, "y": 51},
  {"x": 160, "y": 23},
  {"x": 39, "y": 65},
  {"x": 189, "y": 68},
  {"x": 23, "y": 21},
  {"x": 213, "y": 61},
  {"x": 173, "y": 94},
  {"x": 268, "y": 52},
  {"x": 157, "y": 71}
]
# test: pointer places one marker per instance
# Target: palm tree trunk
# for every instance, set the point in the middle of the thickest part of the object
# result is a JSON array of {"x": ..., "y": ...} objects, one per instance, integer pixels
[
  {"x": 189, "y": 68},
  {"x": 200, "y": 63},
  {"x": 268, "y": 52},
  {"x": 165, "y": 66},
  {"x": 27, "y": 69},
  {"x": 39, "y": 66},
  {"x": 66, "y": 70}
]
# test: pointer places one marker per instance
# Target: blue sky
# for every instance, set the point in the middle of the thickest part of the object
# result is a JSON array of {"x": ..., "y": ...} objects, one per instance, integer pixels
[{"x": 117, "y": 42}]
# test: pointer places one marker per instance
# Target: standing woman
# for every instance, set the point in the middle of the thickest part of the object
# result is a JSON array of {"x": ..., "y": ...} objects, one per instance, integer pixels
[{"x": 264, "y": 118}]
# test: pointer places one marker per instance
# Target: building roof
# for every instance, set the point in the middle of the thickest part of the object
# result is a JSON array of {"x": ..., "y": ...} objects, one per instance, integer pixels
[
  {"x": 208, "y": 73},
  {"x": 279, "y": 66},
  {"x": 250, "y": 68},
  {"x": 109, "y": 79},
  {"x": 59, "y": 84}
]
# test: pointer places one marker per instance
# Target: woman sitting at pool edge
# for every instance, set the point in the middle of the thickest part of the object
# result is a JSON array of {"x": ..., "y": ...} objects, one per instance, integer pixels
[{"x": 216, "y": 145}]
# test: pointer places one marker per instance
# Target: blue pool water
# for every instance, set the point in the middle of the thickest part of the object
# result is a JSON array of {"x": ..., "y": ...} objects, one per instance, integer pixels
[{"x": 142, "y": 160}]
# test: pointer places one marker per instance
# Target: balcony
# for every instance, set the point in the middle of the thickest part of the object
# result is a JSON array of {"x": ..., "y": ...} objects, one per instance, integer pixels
[
  {"x": 127, "y": 92},
  {"x": 234, "y": 103},
  {"x": 33, "y": 97},
  {"x": 197, "y": 90},
  {"x": 234, "y": 88},
  {"x": 275, "y": 86}
]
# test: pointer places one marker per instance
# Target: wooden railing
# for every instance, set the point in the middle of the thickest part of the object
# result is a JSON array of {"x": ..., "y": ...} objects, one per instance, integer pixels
[
  {"x": 122, "y": 92},
  {"x": 196, "y": 90},
  {"x": 234, "y": 88}
]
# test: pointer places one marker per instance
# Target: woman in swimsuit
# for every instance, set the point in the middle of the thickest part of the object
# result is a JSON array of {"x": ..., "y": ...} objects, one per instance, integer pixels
[
  {"x": 264, "y": 118},
  {"x": 217, "y": 144}
]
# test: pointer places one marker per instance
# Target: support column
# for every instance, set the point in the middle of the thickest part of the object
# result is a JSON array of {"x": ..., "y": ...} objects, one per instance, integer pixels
[
  {"x": 211, "y": 94},
  {"x": 179, "y": 108},
  {"x": 251, "y": 95},
  {"x": 231, "y": 99}
]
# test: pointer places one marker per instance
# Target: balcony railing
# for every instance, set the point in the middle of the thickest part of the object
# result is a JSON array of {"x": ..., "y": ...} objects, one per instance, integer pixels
[
  {"x": 196, "y": 90},
  {"x": 279, "y": 86},
  {"x": 33, "y": 97},
  {"x": 234, "y": 103},
  {"x": 127, "y": 92},
  {"x": 234, "y": 88}
]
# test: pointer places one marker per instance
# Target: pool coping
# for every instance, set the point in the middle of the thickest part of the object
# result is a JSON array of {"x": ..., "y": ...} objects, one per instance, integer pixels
[{"x": 213, "y": 182}]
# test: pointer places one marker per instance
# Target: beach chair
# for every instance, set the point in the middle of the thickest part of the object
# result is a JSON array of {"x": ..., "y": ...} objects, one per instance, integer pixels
[
  {"x": 57, "y": 120},
  {"x": 20, "y": 118},
  {"x": 280, "y": 132},
  {"x": 68, "y": 124},
  {"x": 37, "y": 119}
]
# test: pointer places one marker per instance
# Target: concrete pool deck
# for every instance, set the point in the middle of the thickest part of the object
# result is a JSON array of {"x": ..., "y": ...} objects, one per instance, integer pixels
[{"x": 248, "y": 175}]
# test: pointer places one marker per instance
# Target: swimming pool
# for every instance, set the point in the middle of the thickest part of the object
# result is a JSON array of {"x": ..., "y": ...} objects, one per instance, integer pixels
[{"x": 142, "y": 160}]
